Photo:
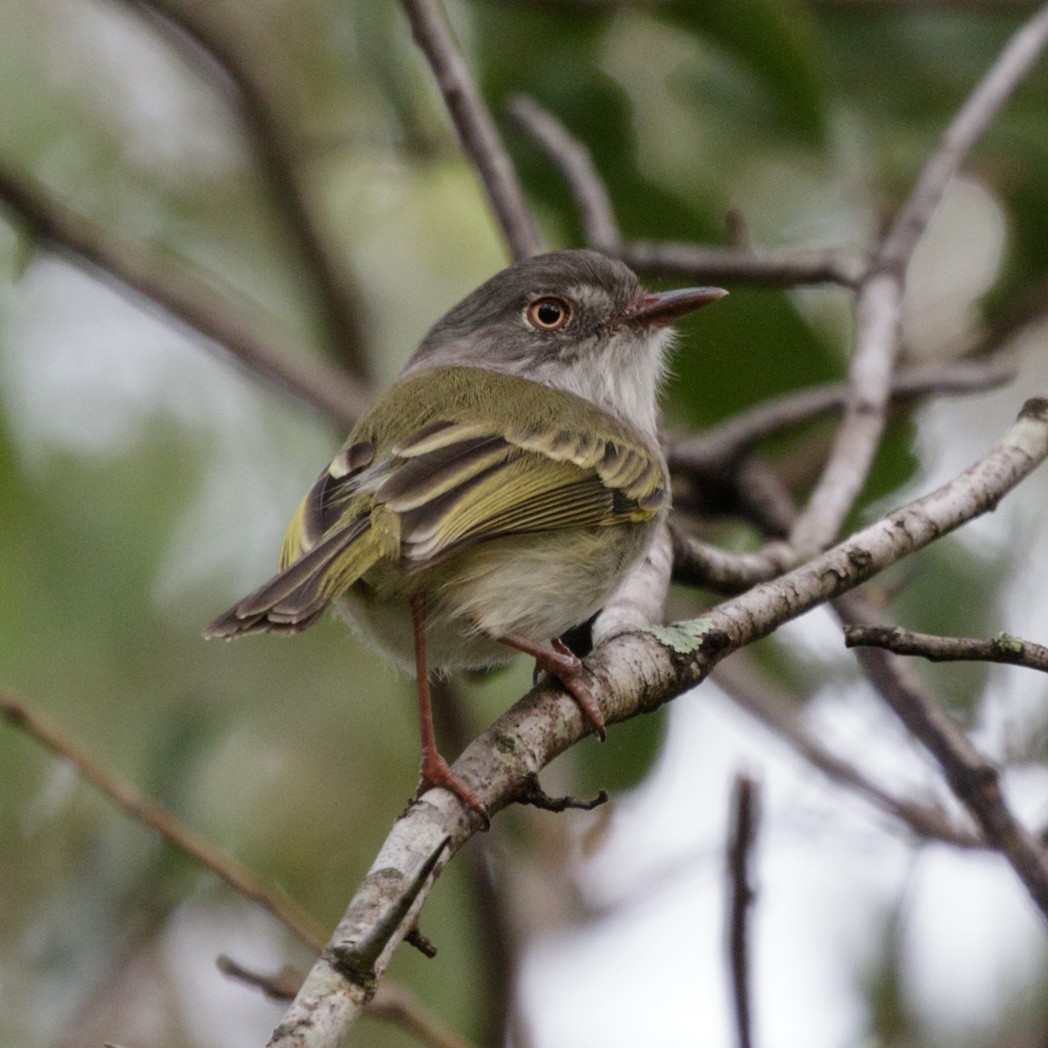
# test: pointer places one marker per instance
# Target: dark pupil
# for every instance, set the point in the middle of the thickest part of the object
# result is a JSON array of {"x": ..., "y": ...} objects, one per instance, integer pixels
[{"x": 549, "y": 313}]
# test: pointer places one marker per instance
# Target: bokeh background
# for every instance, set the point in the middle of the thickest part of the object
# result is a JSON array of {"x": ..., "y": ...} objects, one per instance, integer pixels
[{"x": 145, "y": 481}]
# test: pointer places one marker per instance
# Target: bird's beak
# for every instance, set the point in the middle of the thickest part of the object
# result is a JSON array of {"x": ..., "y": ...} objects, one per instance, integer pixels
[{"x": 664, "y": 307}]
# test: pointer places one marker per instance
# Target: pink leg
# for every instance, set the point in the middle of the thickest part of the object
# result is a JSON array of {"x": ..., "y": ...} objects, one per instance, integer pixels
[
  {"x": 560, "y": 662},
  {"x": 435, "y": 771}
]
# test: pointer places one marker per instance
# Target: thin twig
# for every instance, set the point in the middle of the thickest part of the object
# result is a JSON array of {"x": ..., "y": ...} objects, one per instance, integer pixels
[
  {"x": 281, "y": 986},
  {"x": 393, "y": 1003},
  {"x": 697, "y": 563},
  {"x": 278, "y": 157},
  {"x": 742, "y": 839},
  {"x": 632, "y": 673},
  {"x": 476, "y": 129},
  {"x": 927, "y": 821},
  {"x": 973, "y": 779},
  {"x": 869, "y": 384},
  {"x": 499, "y": 945},
  {"x": 129, "y": 800},
  {"x": 768, "y": 267},
  {"x": 189, "y": 300},
  {"x": 723, "y": 444},
  {"x": 879, "y": 304},
  {"x": 397, "y": 1004},
  {"x": 1002, "y": 648},
  {"x": 968, "y": 126},
  {"x": 575, "y": 163}
]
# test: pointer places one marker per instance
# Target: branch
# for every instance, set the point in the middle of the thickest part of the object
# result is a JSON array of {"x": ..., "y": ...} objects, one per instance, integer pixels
[
  {"x": 396, "y": 1004},
  {"x": 767, "y": 268},
  {"x": 770, "y": 267},
  {"x": 869, "y": 385},
  {"x": 393, "y": 1003},
  {"x": 968, "y": 126},
  {"x": 575, "y": 163},
  {"x": 927, "y": 821},
  {"x": 182, "y": 297},
  {"x": 276, "y": 153},
  {"x": 718, "y": 447},
  {"x": 697, "y": 563},
  {"x": 632, "y": 673},
  {"x": 1002, "y": 648},
  {"x": 476, "y": 129},
  {"x": 742, "y": 838},
  {"x": 497, "y": 941},
  {"x": 130, "y": 801},
  {"x": 880, "y": 297},
  {"x": 973, "y": 779}
]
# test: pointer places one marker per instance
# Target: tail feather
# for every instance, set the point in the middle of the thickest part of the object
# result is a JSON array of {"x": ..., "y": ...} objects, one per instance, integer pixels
[{"x": 298, "y": 595}]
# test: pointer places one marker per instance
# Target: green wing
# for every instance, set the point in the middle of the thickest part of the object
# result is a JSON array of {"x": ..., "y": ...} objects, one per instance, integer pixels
[{"x": 493, "y": 457}]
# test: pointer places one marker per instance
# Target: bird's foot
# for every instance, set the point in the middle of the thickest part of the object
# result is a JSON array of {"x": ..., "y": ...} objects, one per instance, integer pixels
[
  {"x": 436, "y": 772},
  {"x": 561, "y": 662}
]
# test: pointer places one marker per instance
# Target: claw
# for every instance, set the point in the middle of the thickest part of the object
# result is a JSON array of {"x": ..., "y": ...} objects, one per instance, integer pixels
[
  {"x": 561, "y": 662},
  {"x": 436, "y": 772}
]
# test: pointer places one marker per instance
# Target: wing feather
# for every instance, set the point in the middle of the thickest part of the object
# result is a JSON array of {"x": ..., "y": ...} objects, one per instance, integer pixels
[{"x": 451, "y": 483}]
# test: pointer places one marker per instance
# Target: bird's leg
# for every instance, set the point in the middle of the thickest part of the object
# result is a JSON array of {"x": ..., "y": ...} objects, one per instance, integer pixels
[
  {"x": 561, "y": 662},
  {"x": 435, "y": 771}
]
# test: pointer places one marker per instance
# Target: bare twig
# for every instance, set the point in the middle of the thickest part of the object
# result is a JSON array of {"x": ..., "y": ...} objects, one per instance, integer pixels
[
  {"x": 393, "y": 1003},
  {"x": 476, "y": 129},
  {"x": 576, "y": 165},
  {"x": 985, "y": 102},
  {"x": 277, "y": 155},
  {"x": 742, "y": 838},
  {"x": 130, "y": 801},
  {"x": 880, "y": 297},
  {"x": 632, "y": 673},
  {"x": 926, "y": 821},
  {"x": 770, "y": 267},
  {"x": 1002, "y": 648},
  {"x": 697, "y": 563},
  {"x": 869, "y": 384},
  {"x": 281, "y": 986},
  {"x": 183, "y": 297},
  {"x": 720, "y": 445},
  {"x": 533, "y": 794},
  {"x": 972, "y": 778},
  {"x": 497, "y": 939},
  {"x": 397, "y": 1005}
]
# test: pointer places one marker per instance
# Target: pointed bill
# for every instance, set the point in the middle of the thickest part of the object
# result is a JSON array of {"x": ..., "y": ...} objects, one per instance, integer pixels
[{"x": 664, "y": 307}]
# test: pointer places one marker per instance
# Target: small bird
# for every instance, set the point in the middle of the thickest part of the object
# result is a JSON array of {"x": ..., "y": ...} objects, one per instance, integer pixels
[{"x": 500, "y": 489}]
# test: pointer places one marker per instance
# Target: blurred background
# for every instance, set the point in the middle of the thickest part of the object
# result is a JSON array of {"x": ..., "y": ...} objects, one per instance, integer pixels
[{"x": 146, "y": 479}]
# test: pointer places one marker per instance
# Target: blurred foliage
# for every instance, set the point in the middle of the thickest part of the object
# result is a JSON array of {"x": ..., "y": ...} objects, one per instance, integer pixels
[{"x": 143, "y": 485}]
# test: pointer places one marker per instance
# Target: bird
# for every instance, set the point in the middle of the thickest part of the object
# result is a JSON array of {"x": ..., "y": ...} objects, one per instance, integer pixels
[{"x": 498, "y": 491}]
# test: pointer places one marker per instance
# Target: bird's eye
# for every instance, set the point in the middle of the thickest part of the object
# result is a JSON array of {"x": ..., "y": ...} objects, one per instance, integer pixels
[{"x": 548, "y": 314}]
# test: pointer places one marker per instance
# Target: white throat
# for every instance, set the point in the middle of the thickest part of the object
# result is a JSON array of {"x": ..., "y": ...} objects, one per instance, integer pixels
[{"x": 624, "y": 379}]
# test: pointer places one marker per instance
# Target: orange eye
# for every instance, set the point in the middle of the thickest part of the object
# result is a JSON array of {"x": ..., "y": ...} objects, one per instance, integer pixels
[{"x": 548, "y": 314}]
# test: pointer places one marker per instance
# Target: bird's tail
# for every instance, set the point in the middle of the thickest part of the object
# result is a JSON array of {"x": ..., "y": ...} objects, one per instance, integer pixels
[{"x": 297, "y": 596}]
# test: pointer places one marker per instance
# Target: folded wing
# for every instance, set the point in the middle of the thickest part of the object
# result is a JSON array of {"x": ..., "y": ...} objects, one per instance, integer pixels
[{"x": 449, "y": 485}]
